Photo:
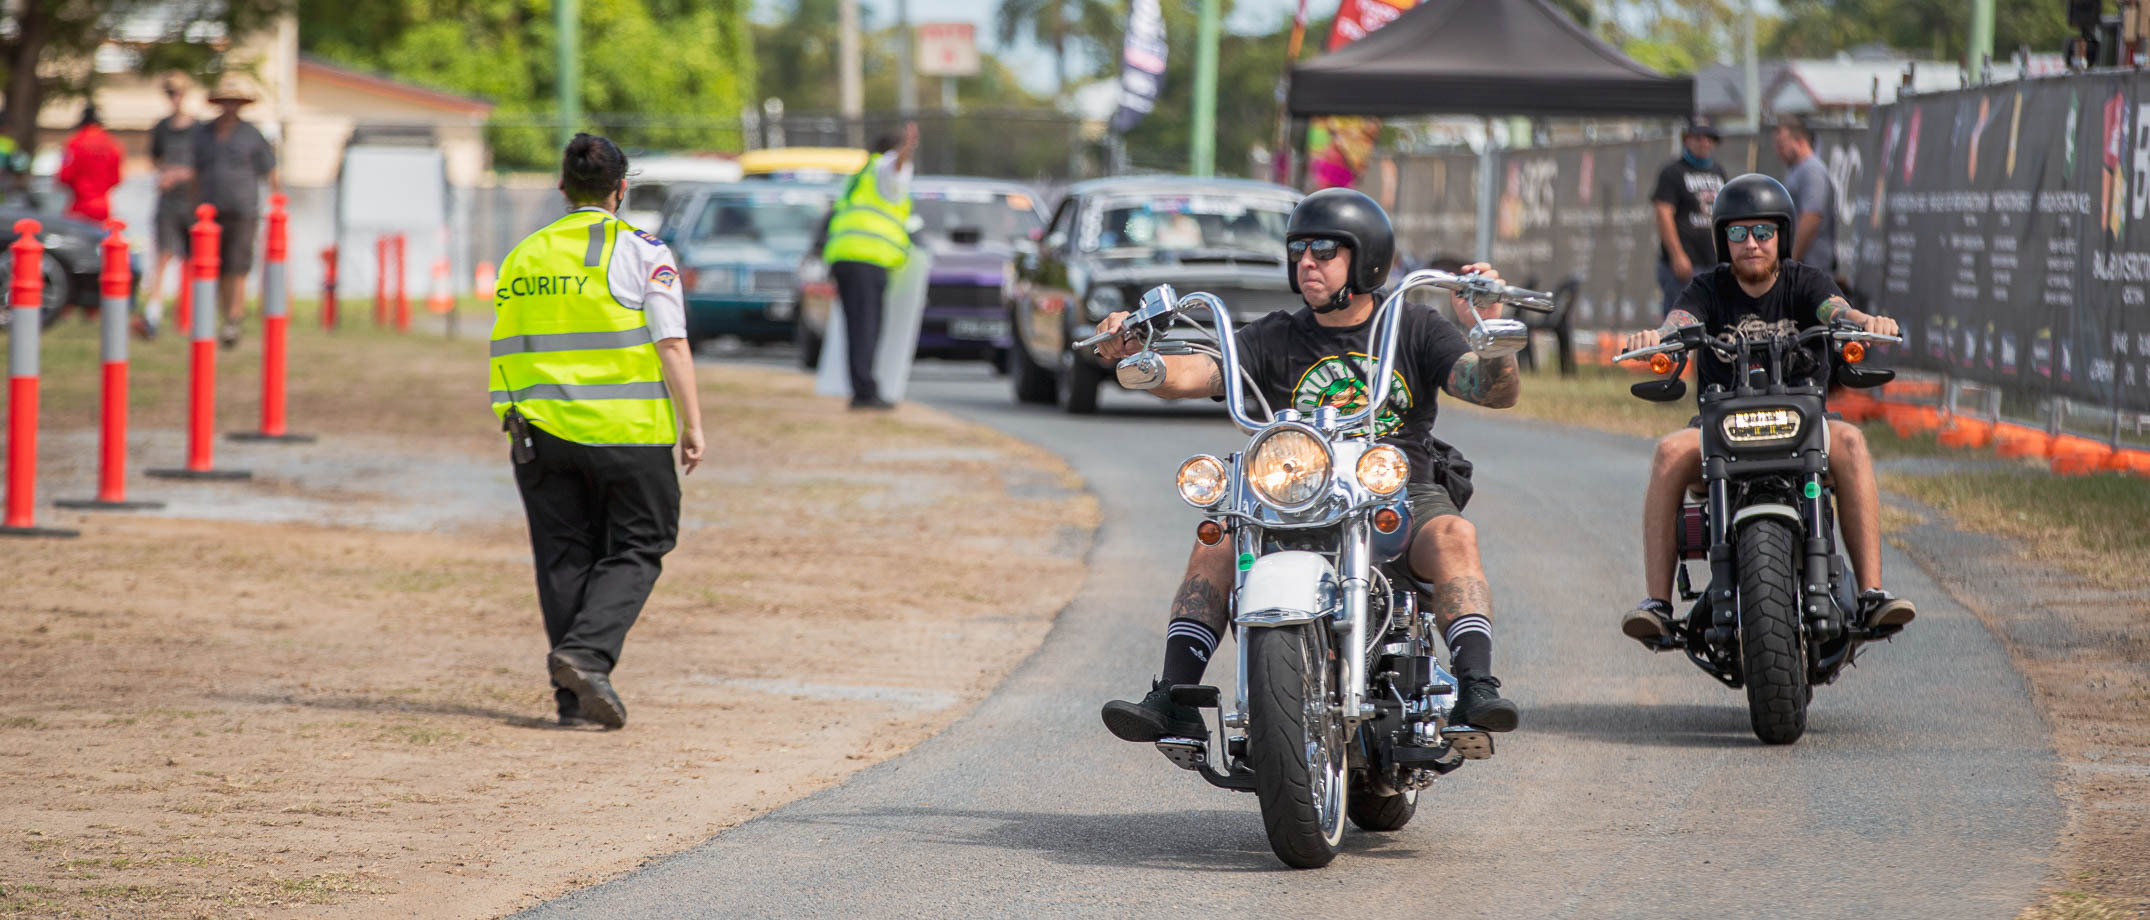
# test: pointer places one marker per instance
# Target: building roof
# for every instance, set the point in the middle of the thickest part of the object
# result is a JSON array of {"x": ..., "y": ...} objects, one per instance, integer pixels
[{"x": 311, "y": 68}]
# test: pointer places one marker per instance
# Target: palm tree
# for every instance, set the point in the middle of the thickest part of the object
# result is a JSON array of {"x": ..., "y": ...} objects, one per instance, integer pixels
[{"x": 1052, "y": 23}]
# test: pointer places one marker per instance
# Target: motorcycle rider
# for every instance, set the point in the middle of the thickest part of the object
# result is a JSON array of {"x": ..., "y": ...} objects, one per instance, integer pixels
[
  {"x": 1756, "y": 285},
  {"x": 1340, "y": 246}
]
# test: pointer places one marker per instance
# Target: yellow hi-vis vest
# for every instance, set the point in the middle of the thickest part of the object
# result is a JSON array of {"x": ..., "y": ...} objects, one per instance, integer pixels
[
  {"x": 867, "y": 227},
  {"x": 574, "y": 360}
]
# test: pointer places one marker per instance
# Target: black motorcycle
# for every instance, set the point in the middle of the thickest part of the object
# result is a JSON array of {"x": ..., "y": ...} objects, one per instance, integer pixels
[{"x": 1779, "y": 614}]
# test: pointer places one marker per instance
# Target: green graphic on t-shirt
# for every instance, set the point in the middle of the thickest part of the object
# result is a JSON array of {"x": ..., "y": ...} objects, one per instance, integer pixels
[{"x": 1337, "y": 381}]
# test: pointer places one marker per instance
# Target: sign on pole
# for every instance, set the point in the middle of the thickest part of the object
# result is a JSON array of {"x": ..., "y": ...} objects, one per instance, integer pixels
[{"x": 947, "y": 49}]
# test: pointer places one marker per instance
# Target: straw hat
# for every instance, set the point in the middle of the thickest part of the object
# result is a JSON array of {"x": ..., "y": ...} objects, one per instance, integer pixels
[{"x": 234, "y": 88}]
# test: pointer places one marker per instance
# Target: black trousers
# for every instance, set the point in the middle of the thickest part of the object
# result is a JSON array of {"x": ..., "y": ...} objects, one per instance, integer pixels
[
  {"x": 601, "y": 520},
  {"x": 861, "y": 286}
]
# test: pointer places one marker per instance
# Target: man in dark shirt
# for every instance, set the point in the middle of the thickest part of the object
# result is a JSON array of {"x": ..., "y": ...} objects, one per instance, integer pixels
[
  {"x": 1340, "y": 245},
  {"x": 1756, "y": 287},
  {"x": 171, "y": 152},
  {"x": 231, "y": 159},
  {"x": 1686, "y": 188}
]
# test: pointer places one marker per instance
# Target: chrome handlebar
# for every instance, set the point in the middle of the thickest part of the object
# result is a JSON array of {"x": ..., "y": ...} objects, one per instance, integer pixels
[{"x": 1841, "y": 335}]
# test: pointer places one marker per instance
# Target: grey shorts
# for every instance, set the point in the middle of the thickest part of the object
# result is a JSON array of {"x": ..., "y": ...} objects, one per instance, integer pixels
[
  {"x": 1428, "y": 501},
  {"x": 236, "y": 250},
  {"x": 174, "y": 217}
]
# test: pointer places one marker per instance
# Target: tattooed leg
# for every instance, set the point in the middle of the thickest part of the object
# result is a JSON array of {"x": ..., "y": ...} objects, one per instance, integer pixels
[{"x": 1202, "y": 595}]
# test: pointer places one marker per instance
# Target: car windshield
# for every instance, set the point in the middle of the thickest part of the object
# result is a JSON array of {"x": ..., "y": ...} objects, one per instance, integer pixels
[
  {"x": 648, "y": 196},
  {"x": 776, "y": 221},
  {"x": 1000, "y": 218},
  {"x": 1188, "y": 223}
]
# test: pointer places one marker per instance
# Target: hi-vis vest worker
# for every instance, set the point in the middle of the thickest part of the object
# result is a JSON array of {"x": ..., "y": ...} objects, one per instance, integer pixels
[
  {"x": 867, "y": 227},
  {"x": 573, "y": 358}
]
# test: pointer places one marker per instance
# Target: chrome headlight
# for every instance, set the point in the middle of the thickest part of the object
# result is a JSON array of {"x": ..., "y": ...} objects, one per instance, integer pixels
[
  {"x": 1104, "y": 301},
  {"x": 1749, "y": 426},
  {"x": 1202, "y": 480},
  {"x": 1289, "y": 468},
  {"x": 1383, "y": 470}
]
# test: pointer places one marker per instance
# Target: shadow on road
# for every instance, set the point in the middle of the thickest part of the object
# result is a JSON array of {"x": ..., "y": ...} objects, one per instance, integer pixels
[
  {"x": 393, "y": 705},
  {"x": 1180, "y": 841},
  {"x": 1667, "y": 725}
]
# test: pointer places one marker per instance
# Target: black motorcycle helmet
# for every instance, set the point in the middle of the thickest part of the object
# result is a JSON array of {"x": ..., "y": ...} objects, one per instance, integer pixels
[
  {"x": 1751, "y": 197},
  {"x": 1355, "y": 220}
]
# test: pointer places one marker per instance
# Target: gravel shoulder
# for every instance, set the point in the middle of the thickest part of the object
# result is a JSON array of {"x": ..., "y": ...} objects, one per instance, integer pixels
[{"x": 321, "y": 694}]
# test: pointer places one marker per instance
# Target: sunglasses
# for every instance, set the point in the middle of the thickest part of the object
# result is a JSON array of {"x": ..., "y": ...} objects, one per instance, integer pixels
[
  {"x": 1762, "y": 234},
  {"x": 1323, "y": 250}
]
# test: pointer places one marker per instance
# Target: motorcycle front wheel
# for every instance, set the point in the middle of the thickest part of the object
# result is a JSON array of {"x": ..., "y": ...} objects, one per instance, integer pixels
[
  {"x": 1773, "y": 655},
  {"x": 1296, "y": 742}
]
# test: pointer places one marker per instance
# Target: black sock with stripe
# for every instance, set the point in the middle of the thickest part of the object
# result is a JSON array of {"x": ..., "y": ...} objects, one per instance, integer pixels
[
  {"x": 1470, "y": 644},
  {"x": 1188, "y": 645}
]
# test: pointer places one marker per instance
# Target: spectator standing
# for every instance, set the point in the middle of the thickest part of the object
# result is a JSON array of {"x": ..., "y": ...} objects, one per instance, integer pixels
[
  {"x": 1686, "y": 190},
  {"x": 89, "y": 167},
  {"x": 231, "y": 159},
  {"x": 171, "y": 153},
  {"x": 869, "y": 237},
  {"x": 1807, "y": 178}
]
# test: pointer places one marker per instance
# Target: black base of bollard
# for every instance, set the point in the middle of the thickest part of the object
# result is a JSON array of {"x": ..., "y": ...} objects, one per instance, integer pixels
[
  {"x": 256, "y": 437},
  {"x": 38, "y": 532},
  {"x": 183, "y": 473},
  {"x": 98, "y": 504}
]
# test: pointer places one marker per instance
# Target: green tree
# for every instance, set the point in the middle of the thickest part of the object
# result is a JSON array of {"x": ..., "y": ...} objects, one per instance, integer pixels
[
  {"x": 1940, "y": 29},
  {"x": 46, "y": 45},
  {"x": 1092, "y": 27},
  {"x": 657, "y": 74}
]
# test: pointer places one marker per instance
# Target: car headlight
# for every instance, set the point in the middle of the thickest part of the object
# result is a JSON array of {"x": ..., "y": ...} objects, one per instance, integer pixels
[
  {"x": 1104, "y": 301},
  {"x": 1202, "y": 480},
  {"x": 1383, "y": 470},
  {"x": 1289, "y": 468},
  {"x": 1752, "y": 425},
  {"x": 714, "y": 281}
]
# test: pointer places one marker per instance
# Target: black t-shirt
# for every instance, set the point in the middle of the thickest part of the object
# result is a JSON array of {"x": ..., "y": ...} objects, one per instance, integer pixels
[
  {"x": 1716, "y": 298},
  {"x": 1692, "y": 193},
  {"x": 1301, "y": 364}
]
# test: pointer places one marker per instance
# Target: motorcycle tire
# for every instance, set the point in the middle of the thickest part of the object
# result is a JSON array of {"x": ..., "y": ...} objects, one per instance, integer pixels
[
  {"x": 1295, "y": 743},
  {"x": 1382, "y": 812},
  {"x": 1773, "y": 654}
]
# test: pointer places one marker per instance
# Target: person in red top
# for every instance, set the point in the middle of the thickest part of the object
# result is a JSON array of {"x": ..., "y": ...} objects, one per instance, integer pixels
[{"x": 90, "y": 168}]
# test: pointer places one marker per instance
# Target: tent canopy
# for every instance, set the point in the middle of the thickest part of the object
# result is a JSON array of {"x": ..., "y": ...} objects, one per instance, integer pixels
[{"x": 1484, "y": 57}]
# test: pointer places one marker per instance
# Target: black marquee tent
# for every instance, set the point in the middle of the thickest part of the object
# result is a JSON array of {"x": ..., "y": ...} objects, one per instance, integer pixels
[{"x": 1484, "y": 57}]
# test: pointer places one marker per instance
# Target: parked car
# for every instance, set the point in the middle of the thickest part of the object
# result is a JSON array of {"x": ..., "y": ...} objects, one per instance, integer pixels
[
  {"x": 73, "y": 260},
  {"x": 739, "y": 247},
  {"x": 656, "y": 180},
  {"x": 974, "y": 227},
  {"x": 1111, "y": 239}
]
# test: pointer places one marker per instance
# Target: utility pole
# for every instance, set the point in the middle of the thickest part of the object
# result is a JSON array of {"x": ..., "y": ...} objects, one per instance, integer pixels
[
  {"x": 567, "y": 47},
  {"x": 907, "y": 69},
  {"x": 1981, "y": 47},
  {"x": 850, "y": 93},
  {"x": 1754, "y": 78},
  {"x": 1202, "y": 147}
]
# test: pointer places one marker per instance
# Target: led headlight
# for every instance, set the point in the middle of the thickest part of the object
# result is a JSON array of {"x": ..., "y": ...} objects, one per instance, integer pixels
[
  {"x": 1105, "y": 301},
  {"x": 1289, "y": 468},
  {"x": 1202, "y": 480},
  {"x": 1383, "y": 470},
  {"x": 1753, "y": 425}
]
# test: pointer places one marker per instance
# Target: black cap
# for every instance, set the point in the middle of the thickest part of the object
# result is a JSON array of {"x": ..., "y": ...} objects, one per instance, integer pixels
[{"x": 1701, "y": 124}]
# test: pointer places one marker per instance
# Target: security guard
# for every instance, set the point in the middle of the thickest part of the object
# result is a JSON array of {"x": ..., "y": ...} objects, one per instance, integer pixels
[
  {"x": 593, "y": 380},
  {"x": 868, "y": 237}
]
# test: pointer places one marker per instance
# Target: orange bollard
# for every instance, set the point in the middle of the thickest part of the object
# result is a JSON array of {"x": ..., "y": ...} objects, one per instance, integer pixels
[
  {"x": 275, "y": 330},
  {"x": 26, "y": 296},
  {"x": 328, "y": 287},
  {"x": 201, "y": 391},
  {"x": 380, "y": 282},
  {"x": 403, "y": 295},
  {"x": 2079, "y": 456},
  {"x": 2013, "y": 440},
  {"x": 114, "y": 297},
  {"x": 1962, "y": 431}
]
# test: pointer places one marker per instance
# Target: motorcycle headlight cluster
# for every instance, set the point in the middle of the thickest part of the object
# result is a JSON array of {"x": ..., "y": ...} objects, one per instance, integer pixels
[
  {"x": 1750, "y": 426},
  {"x": 1202, "y": 481},
  {"x": 1289, "y": 468},
  {"x": 1383, "y": 470}
]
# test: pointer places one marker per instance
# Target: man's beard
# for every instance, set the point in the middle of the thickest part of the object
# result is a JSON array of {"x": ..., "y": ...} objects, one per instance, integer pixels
[{"x": 1748, "y": 274}]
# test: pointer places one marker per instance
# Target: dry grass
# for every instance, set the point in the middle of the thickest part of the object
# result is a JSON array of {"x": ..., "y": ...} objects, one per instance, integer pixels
[{"x": 2075, "y": 905}]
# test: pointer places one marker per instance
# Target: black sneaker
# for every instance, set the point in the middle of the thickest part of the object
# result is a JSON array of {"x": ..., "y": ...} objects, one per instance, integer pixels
[
  {"x": 1479, "y": 705},
  {"x": 1650, "y": 623},
  {"x": 1153, "y": 718},
  {"x": 1879, "y": 609},
  {"x": 872, "y": 405}
]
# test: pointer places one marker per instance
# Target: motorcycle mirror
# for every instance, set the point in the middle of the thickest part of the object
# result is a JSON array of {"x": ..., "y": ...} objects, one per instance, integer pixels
[
  {"x": 1499, "y": 338},
  {"x": 1666, "y": 390},
  {"x": 1143, "y": 370},
  {"x": 1158, "y": 301},
  {"x": 1859, "y": 378}
]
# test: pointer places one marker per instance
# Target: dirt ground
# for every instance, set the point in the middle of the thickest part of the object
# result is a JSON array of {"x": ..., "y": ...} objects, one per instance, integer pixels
[{"x": 321, "y": 693}]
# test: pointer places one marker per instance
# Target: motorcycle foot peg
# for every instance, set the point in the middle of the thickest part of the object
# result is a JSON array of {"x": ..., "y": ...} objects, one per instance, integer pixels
[
  {"x": 1197, "y": 695},
  {"x": 1470, "y": 742},
  {"x": 1413, "y": 755},
  {"x": 1185, "y": 753}
]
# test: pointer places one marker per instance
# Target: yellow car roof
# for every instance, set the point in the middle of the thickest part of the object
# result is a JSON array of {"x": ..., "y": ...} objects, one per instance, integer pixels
[{"x": 787, "y": 159}]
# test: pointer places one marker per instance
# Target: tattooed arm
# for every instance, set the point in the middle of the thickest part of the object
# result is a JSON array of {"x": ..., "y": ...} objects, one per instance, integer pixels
[
  {"x": 1490, "y": 382},
  {"x": 1649, "y": 337},
  {"x": 1186, "y": 376},
  {"x": 1837, "y": 308}
]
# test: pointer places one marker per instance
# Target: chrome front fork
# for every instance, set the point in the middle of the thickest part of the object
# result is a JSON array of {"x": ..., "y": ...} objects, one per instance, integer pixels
[{"x": 1354, "y": 572}]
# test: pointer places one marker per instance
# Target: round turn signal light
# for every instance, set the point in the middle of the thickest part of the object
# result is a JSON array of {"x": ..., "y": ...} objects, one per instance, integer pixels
[
  {"x": 1660, "y": 364},
  {"x": 1854, "y": 352},
  {"x": 1387, "y": 520},
  {"x": 1209, "y": 532}
]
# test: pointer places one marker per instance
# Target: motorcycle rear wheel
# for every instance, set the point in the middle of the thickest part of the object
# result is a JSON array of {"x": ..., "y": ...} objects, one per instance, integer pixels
[
  {"x": 1296, "y": 743},
  {"x": 1383, "y": 812},
  {"x": 1773, "y": 654}
]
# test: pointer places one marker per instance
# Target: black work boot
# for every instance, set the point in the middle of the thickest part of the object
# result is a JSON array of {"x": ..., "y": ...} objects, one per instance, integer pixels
[
  {"x": 1879, "y": 608},
  {"x": 1479, "y": 705},
  {"x": 1155, "y": 717},
  {"x": 593, "y": 689},
  {"x": 1650, "y": 623},
  {"x": 570, "y": 709}
]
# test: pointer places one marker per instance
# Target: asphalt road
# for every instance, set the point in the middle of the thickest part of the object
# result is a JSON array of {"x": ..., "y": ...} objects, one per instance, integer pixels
[{"x": 1633, "y": 789}]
